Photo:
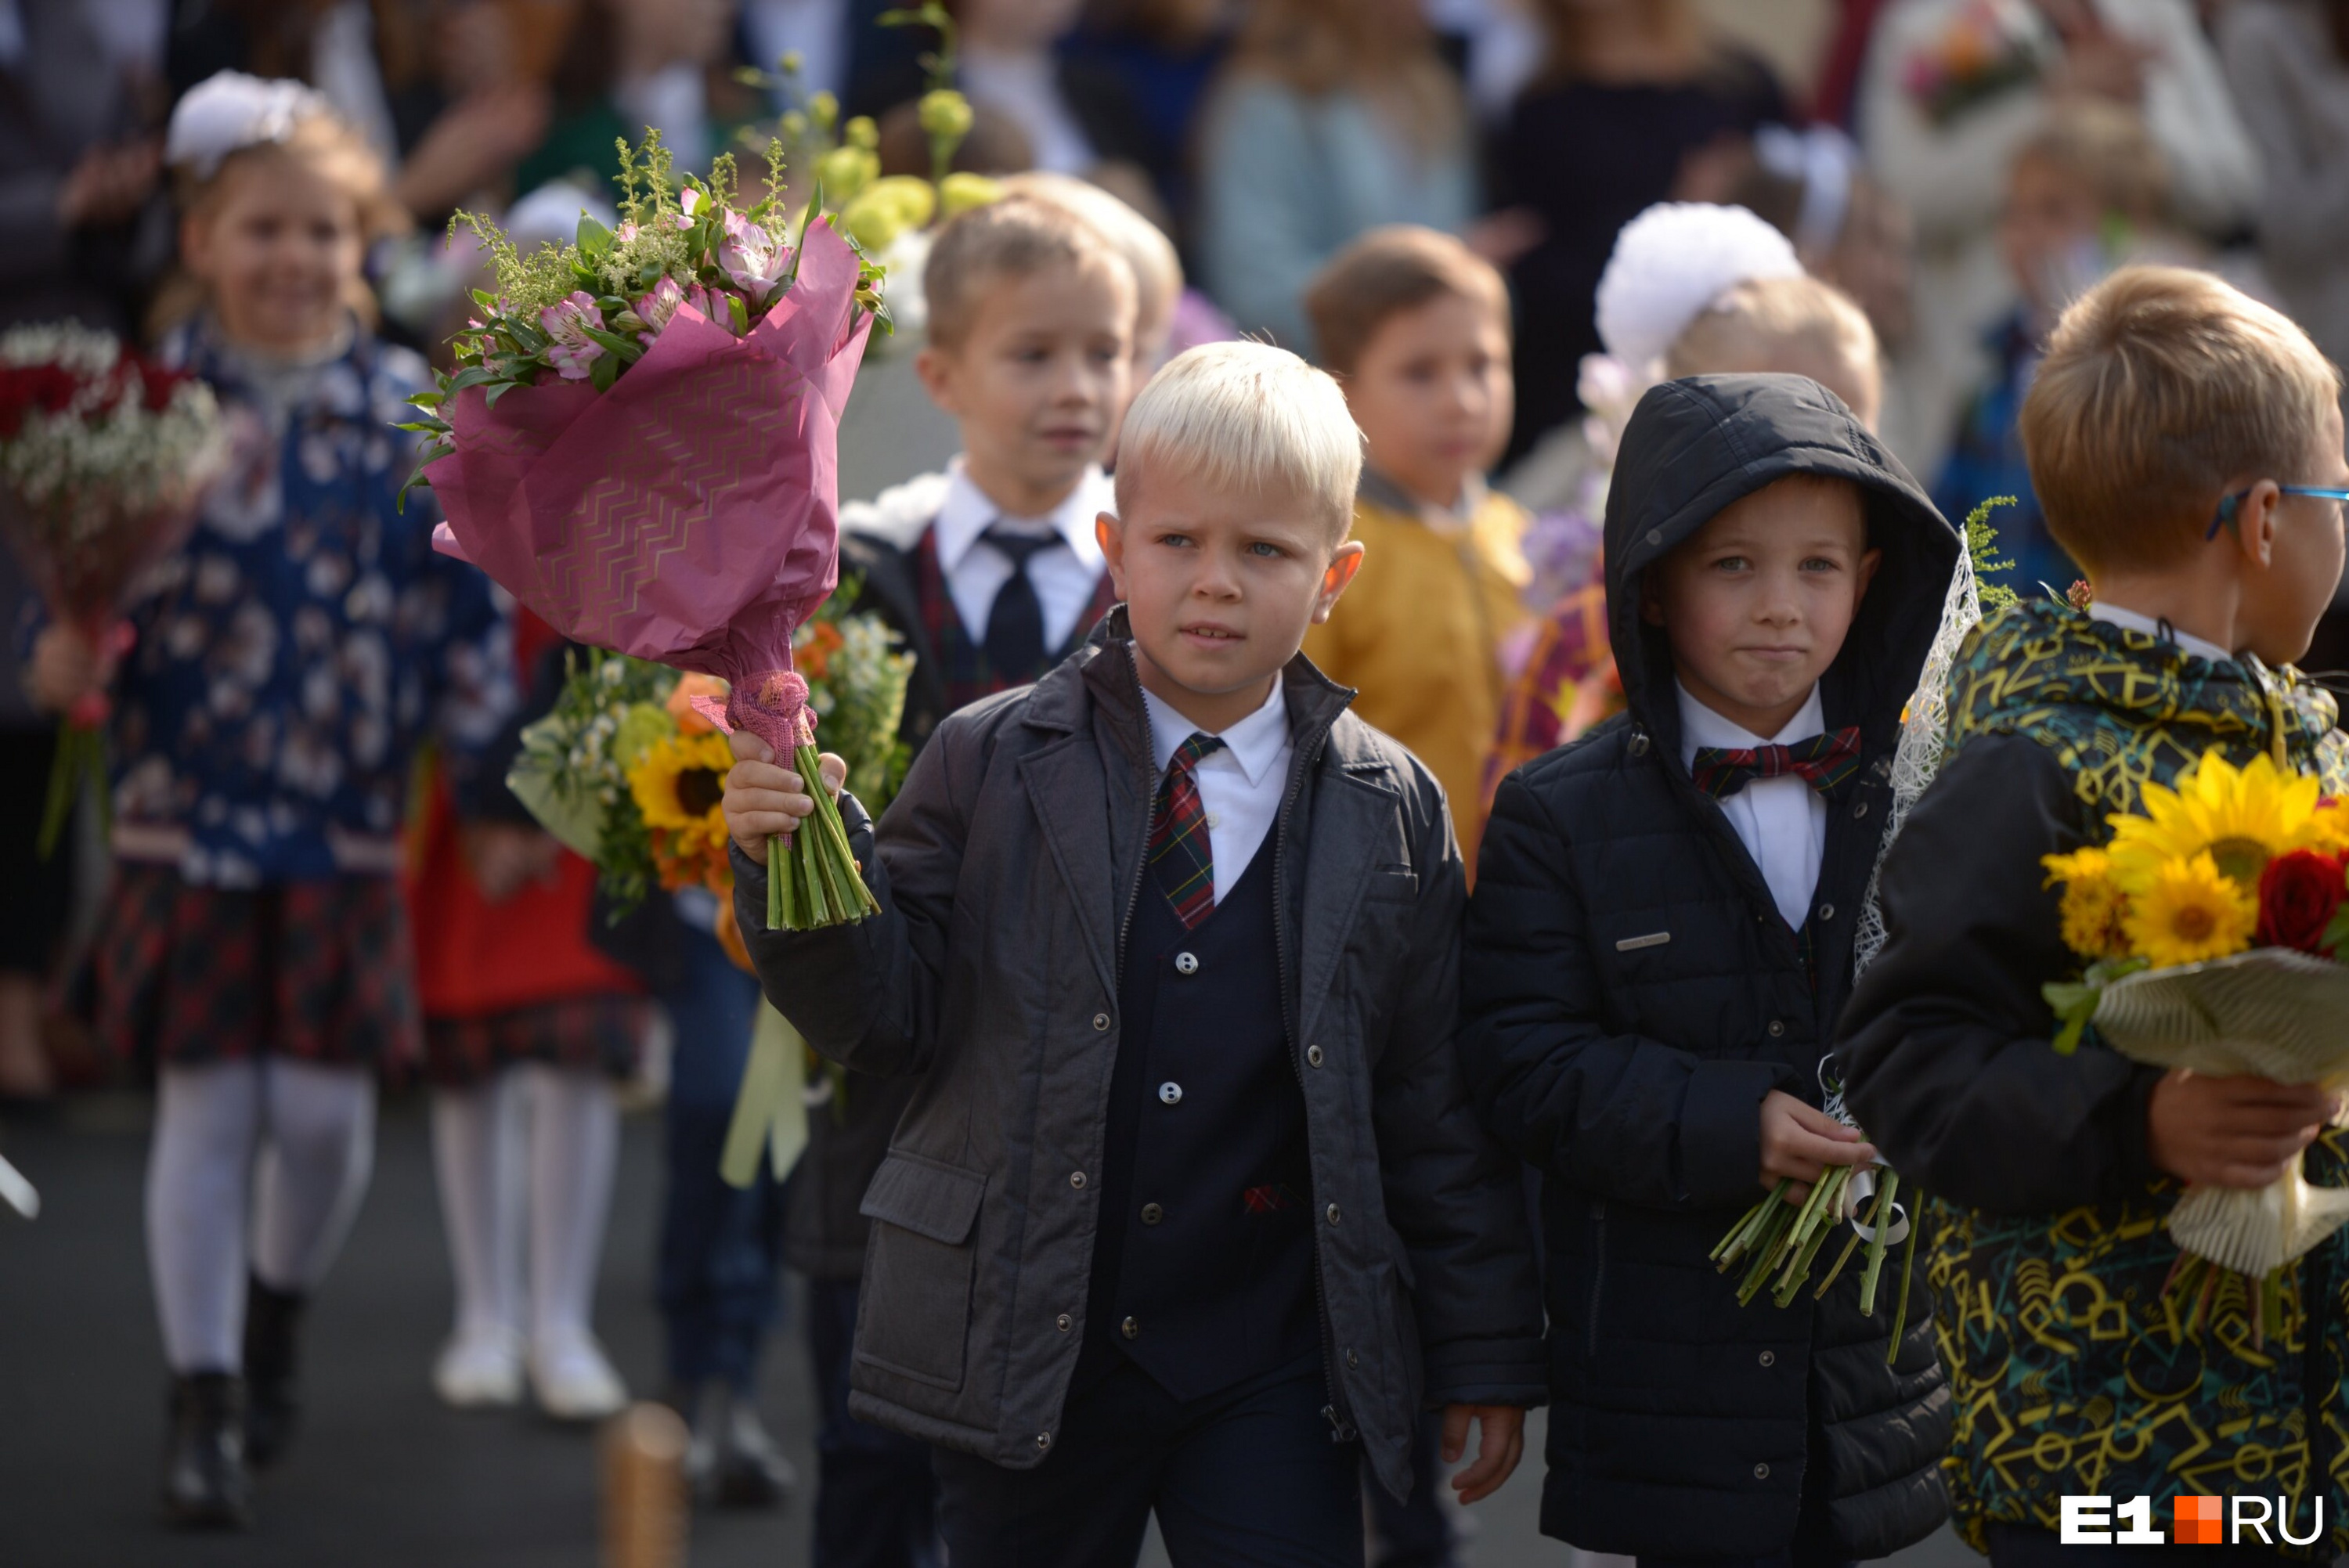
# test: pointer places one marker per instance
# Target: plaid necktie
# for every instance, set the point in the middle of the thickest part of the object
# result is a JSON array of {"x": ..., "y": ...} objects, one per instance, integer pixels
[
  {"x": 1824, "y": 762},
  {"x": 1180, "y": 856}
]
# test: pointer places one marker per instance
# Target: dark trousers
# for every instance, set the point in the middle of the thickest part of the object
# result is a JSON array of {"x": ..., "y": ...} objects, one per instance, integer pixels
[
  {"x": 1244, "y": 1479},
  {"x": 2013, "y": 1546},
  {"x": 1414, "y": 1534},
  {"x": 722, "y": 1248},
  {"x": 875, "y": 1500}
]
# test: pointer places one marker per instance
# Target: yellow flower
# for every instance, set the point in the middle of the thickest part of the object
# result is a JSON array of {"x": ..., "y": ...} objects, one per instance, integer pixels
[
  {"x": 959, "y": 193},
  {"x": 2330, "y": 825},
  {"x": 2190, "y": 911},
  {"x": 2094, "y": 910},
  {"x": 2243, "y": 817},
  {"x": 679, "y": 785}
]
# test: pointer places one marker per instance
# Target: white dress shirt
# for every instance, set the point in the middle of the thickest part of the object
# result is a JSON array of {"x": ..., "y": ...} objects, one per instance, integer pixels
[
  {"x": 1065, "y": 578},
  {"x": 1782, "y": 821},
  {"x": 1241, "y": 782},
  {"x": 2130, "y": 621}
]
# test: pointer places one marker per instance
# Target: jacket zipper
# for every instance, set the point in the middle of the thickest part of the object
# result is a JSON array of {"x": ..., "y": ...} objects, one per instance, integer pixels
[
  {"x": 1598, "y": 1269},
  {"x": 1341, "y": 1429}
]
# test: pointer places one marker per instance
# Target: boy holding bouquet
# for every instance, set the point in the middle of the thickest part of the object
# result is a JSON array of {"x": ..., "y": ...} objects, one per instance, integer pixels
[
  {"x": 1190, "y": 1198},
  {"x": 2174, "y": 432},
  {"x": 1659, "y": 943}
]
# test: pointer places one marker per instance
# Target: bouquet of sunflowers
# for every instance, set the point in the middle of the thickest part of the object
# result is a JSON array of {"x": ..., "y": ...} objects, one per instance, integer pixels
[
  {"x": 2209, "y": 926},
  {"x": 629, "y": 766}
]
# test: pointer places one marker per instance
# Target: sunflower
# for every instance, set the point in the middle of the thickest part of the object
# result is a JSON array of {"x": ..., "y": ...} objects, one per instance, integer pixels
[
  {"x": 2243, "y": 817},
  {"x": 678, "y": 784},
  {"x": 2095, "y": 911},
  {"x": 2189, "y": 911}
]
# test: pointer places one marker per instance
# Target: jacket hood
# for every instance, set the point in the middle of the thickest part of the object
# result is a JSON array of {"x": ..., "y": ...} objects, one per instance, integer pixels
[{"x": 1696, "y": 445}]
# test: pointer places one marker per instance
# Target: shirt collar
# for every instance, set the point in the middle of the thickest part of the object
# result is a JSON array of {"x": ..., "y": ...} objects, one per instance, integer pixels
[
  {"x": 2130, "y": 621},
  {"x": 1380, "y": 491},
  {"x": 1255, "y": 743},
  {"x": 1700, "y": 726},
  {"x": 967, "y": 512}
]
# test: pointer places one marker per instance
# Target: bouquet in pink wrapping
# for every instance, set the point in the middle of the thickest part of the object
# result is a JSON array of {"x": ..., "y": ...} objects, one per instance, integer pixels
[{"x": 646, "y": 458}]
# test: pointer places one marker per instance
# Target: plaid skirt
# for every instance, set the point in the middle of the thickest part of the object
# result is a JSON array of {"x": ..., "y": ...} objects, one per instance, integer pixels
[
  {"x": 600, "y": 1031},
  {"x": 318, "y": 970}
]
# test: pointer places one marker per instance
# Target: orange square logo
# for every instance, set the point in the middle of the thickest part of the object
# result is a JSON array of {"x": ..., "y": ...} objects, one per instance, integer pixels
[{"x": 2194, "y": 1522}]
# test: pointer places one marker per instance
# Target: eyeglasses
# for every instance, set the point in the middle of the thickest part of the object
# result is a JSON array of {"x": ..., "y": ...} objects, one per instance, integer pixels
[{"x": 2228, "y": 508}]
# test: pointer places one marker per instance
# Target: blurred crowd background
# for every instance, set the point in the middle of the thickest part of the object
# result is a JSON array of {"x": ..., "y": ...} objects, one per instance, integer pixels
[{"x": 1961, "y": 167}]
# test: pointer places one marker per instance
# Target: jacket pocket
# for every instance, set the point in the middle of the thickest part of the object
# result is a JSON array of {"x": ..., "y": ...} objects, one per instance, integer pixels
[
  {"x": 1396, "y": 883},
  {"x": 914, "y": 1310}
]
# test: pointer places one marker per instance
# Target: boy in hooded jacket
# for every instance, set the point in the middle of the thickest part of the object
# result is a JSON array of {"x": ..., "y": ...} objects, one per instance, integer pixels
[
  {"x": 2186, "y": 444},
  {"x": 1659, "y": 942}
]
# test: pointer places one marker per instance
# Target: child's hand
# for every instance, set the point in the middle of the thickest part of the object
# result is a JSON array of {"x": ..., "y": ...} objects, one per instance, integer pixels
[
  {"x": 1500, "y": 1444},
  {"x": 764, "y": 798},
  {"x": 1800, "y": 1141},
  {"x": 66, "y": 668},
  {"x": 2232, "y": 1132}
]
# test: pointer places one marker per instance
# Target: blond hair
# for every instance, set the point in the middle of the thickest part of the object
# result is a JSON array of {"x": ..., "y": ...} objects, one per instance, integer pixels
[
  {"x": 1246, "y": 418},
  {"x": 1157, "y": 270},
  {"x": 1797, "y": 320},
  {"x": 1016, "y": 237},
  {"x": 1386, "y": 272},
  {"x": 330, "y": 148},
  {"x": 2107, "y": 147},
  {"x": 2160, "y": 388}
]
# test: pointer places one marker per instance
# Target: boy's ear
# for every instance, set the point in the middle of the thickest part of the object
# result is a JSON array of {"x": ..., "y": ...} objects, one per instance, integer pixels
[
  {"x": 1112, "y": 539},
  {"x": 1343, "y": 563},
  {"x": 2255, "y": 521},
  {"x": 934, "y": 368},
  {"x": 1869, "y": 562}
]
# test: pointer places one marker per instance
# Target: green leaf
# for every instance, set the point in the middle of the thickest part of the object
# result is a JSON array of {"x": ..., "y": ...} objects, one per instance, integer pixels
[
  {"x": 627, "y": 348},
  {"x": 429, "y": 427},
  {"x": 594, "y": 240},
  {"x": 428, "y": 399},
  {"x": 490, "y": 398},
  {"x": 465, "y": 380},
  {"x": 739, "y": 312},
  {"x": 606, "y": 371}
]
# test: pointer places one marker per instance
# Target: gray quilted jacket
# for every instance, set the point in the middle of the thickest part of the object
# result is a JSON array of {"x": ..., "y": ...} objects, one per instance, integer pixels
[{"x": 1006, "y": 870}]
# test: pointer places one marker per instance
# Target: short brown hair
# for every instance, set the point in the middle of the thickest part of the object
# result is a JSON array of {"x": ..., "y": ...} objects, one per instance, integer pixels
[
  {"x": 2161, "y": 388},
  {"x": 1386, "y": 272},
  {"x": 1763, "y": 316},
  {"x": 1016, "y": 237},
  {"x": 2107, "y": 147}
]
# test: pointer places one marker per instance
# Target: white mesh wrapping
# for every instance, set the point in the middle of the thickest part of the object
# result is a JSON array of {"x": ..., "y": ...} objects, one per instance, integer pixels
[{"x": 1919, "y": 756}]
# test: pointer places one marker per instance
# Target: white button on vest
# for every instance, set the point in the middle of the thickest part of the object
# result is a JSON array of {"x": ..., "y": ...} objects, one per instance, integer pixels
[
  {"x": 1186, "y": 964},
  {"x": 1170, "y": 1093}
]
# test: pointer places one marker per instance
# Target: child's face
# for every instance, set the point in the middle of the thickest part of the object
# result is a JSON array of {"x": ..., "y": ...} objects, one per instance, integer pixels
[
  {"x": 2051, "y": 217},
  {"x": 278, "y": 248},
  {"x": 1219, "y": 587},
  {"x": 1433, "y": 395},
  {"x": 1039, "y": 382},
  {"x": 2285, "y": 594},
  {"x": 1757, "y": 603}
]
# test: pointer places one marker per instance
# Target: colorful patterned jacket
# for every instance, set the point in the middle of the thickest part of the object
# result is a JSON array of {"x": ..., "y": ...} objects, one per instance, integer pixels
[
  {"x": 306, "y": 641},
  {"x": 2047, "y": 1251}
]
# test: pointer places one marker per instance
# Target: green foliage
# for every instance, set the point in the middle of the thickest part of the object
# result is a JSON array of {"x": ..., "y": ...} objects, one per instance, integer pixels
[{"x": 1982, "y": 546}]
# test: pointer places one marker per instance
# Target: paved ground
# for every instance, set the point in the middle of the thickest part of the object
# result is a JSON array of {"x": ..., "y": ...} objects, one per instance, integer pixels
[{"x": 384, "y": 1476}]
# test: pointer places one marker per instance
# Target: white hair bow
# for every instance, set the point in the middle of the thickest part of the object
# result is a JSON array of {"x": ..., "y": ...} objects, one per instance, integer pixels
[
  {"x": 229, "y": 111},
  {"x": 1672, "y": 261}
]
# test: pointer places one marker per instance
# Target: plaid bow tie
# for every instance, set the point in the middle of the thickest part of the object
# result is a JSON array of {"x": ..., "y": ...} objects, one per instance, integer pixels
[
  {"x": 1181, "y": 859},
  {"x": 1824, "y": 762}
]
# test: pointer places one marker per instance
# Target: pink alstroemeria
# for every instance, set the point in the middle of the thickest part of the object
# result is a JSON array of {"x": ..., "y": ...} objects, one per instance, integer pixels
[
  {"x": 754, "y": 259},
  {"x": 691, "y": 201},
  {"x": 657, "y": 306},
  {"x": 566, "y": 321},
  {"x": 625, "y": 233}
]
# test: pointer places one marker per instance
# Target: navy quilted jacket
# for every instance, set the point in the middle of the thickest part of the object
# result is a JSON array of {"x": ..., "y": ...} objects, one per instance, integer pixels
[{"x": 1632, "y": 993}]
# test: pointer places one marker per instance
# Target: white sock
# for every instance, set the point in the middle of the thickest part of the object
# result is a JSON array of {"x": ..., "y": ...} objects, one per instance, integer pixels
[
  {"x": 313, "y": 1168},
  {"x": 574, "y": 1145},
  {"x": 199, "y": 1175},
  {"x": 477, "y": 1150}
]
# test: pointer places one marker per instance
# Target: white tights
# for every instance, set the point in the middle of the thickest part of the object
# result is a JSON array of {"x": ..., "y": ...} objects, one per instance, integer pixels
[
  {"x": 479, "y": 1149},
  {"x": 264, "y": 1161}
]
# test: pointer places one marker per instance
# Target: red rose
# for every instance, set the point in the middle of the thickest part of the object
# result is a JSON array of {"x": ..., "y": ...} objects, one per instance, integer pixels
[{"x": 2299, "y": 896}]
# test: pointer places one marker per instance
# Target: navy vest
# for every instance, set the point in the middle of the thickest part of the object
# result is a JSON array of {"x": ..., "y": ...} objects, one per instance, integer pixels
[{"x": 1203, "y": 1268}]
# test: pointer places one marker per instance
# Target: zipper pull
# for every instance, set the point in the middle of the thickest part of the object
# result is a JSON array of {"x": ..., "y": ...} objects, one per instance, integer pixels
[{"x": 1340, "y": 1432}]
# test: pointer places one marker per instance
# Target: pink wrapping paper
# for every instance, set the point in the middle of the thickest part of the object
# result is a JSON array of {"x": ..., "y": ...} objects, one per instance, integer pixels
[{"x": 690, "y": 515}]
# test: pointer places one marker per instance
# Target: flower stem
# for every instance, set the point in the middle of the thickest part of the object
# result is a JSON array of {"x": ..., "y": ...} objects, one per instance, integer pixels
[{"x": 1876, "y": 1246}]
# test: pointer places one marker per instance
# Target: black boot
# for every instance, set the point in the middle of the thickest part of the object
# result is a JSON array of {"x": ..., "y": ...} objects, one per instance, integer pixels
[
  {"x": 731, "y": 1461},
  {"x": 272, "y": 1318},
  {"x": 204, "y": 1481}
]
